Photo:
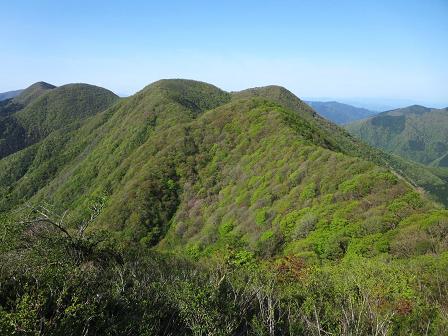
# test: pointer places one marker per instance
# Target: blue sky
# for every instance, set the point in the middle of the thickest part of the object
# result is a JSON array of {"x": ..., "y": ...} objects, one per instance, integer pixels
[{"x": 339, "y": 49}]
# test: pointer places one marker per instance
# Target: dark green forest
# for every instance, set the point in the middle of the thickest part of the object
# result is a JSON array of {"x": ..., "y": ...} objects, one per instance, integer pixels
[{"x": 188, "y": 210}]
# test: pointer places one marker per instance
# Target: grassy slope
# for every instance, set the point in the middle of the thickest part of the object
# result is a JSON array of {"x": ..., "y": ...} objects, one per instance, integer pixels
[{"x": 187, "y": 162}]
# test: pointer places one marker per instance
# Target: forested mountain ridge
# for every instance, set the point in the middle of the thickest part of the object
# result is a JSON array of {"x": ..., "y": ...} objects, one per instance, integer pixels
[
  {"x": 340, "y": 113},
  {"x": 12, "y": 105},
  {"x": 33, "y": 92},
  {"x": 254, "y": 182},
  {"x": 416, "y": 133},
  {"x": 434, "y": 181},
  {"x": 43, "y": 108},
  {"x": 166, "y": 105}
]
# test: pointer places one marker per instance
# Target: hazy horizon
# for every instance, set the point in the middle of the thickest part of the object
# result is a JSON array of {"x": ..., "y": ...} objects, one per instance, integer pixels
[
  {"x": 376, "y": 104},
  {"x": 380, "y": 50}
]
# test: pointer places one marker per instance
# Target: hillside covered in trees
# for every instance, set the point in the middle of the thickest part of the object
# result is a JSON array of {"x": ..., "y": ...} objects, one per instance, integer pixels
[
  {"x": 185, "y": 209},
  {"x": 42, "y": 109},
  {"x": 416, "y": 133}
]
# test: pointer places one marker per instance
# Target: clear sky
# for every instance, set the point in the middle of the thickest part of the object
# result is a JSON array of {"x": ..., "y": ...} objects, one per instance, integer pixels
[{"x": 388, "y": 49}]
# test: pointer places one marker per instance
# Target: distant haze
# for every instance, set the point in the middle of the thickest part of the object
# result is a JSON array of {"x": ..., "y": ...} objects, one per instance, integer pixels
[
  {"x": 378, "y": 104},
  {"x": 391, "y": 49}
]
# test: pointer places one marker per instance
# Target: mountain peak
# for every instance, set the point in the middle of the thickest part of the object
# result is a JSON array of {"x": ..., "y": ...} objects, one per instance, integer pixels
[
  {"x": 42, "y": 84},
  {"x": 182, "y": 85},
  {"x": 418, "y": 107},
  {"x": 195, "y": 96},
  {"x": 266, "y": 91},
  {"x": 280, "y": 95},
  {"x": 416, "y": 133},
  {"x": 62, "y": 105},
  {"x": 32, "y": 92}
]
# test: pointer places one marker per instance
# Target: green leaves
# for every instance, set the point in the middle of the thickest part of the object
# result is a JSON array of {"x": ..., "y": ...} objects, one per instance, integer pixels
[
  {"x": 287, "y": 224},
  {"x": 141, "y": 292}
]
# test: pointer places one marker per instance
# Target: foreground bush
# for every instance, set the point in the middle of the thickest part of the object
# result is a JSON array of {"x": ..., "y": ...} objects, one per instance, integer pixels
[{"x": 57, "y": 283}]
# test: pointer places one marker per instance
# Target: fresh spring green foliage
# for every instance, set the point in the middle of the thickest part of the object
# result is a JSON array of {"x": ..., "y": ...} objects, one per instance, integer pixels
[
  {"x": 287, "y": 223},
  {"x": 55, "y": 284},
  {"x": 415, "y": 133}
]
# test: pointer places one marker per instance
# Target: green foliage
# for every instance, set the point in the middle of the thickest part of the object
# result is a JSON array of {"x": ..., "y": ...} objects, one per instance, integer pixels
[
  {"x": 242, "y": 257},
  {"x": 226, "y": 227},
  {"x": 284, "y": 218},
  {"x": 43, "y": 109},
  {"x": 172, "y": 171},
  {"x": 261, "y": 216},
  {"x": 308, "y": 191},
  {"x": 415, "y": 132},
  {"x": 108, "y": 291}
]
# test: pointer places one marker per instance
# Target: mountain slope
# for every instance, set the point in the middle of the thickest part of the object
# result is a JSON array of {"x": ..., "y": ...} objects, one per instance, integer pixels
[
  {"x": 188, "y": 163},
  {"x": 63, "y": 106},
  {"x": 188, "y": 210},
  {"x": 32, "y": 92},
  {"x": 340, "y": 113},
  {"x": 42, "y": 109},
  {"x": 12, "y": 105},
  {"x": 415, "y": 132},
  {"x": 433, "y": 181}
]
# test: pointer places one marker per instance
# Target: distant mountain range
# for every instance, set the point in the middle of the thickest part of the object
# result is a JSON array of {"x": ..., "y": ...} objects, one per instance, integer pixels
[
  {"x": 9, "y": 94},
  {"x": 378, "y": 104},
  {"x": 338, "y": 112}
]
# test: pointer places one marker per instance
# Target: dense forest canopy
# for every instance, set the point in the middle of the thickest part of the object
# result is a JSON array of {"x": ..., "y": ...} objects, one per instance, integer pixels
[{"x": 185, "y": 209}]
